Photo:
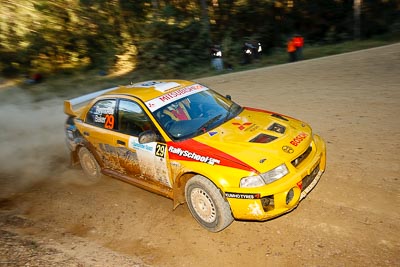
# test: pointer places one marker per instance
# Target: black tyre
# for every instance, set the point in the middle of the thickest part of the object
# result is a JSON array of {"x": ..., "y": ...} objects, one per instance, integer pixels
[
  {"x": 207, "y": 205},
  {"x": 89, "y": 164}
]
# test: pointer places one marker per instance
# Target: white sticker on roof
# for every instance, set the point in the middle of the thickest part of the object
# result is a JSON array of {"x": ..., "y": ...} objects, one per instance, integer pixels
[
  {"x": 167, "y": 98},
  {"x": 159, "y": 86}
]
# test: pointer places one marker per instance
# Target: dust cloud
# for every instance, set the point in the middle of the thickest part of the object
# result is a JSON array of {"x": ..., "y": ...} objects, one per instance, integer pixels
[{"x": 32, "y": 146}]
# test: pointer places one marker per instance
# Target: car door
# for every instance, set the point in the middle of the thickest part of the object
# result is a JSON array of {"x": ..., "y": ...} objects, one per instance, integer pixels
[
  {"x": 147, "y": 160},
  {"x": 98, "y": 130}
]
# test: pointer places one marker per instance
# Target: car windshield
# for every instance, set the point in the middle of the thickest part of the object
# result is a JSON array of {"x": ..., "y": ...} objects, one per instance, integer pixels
[{"x": 196, "y": 114}]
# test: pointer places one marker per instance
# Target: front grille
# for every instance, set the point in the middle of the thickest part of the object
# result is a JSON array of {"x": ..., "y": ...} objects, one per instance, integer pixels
[
  {"x": 302, "y": 157},
  {"x": 309, "y": 178},
  {"x": 268, "y": 203}
]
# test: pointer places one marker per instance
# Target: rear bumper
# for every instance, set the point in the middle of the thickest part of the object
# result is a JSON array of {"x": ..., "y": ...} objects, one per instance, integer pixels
[{"x": 284, "y": 195}]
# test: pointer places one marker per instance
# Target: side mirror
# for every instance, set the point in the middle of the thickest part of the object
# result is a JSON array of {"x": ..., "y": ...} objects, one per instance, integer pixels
[
  {"x": 228, "y": 97},
  {"x": 147, "y": 137}
]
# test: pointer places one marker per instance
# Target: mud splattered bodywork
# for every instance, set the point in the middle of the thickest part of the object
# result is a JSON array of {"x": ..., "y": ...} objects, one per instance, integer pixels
[{"x": 186, "y": 142}]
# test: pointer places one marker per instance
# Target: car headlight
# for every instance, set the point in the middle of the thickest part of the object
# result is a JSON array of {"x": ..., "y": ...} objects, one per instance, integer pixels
[
  {"x": 252, "y": 181},
  {"x": 265, "y": 178}
]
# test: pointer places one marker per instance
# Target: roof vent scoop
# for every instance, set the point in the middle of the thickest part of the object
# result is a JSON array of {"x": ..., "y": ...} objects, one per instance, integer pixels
[
  {"x": 279, "y": 117},
  {"x": 276, "y": 127}
]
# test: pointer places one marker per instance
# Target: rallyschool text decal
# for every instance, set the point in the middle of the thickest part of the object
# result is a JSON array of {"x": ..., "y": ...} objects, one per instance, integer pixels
[
  {"x": 192, "y": 155},
  {"x": 167, "y": 98}
]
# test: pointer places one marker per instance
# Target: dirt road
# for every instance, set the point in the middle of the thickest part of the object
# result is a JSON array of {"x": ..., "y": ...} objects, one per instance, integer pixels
[{"x": 51, "y": 216}]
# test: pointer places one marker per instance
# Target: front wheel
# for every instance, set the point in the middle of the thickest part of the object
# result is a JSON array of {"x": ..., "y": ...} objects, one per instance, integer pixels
[
  {"x": 207, "y": 205},
  {"x": 89, "y": 164}
]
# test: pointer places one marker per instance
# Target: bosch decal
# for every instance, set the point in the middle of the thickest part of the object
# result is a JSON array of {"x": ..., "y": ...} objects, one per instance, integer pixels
[
  {"x": 298, "y": 139},
  {"x": 192, "y": 155}
]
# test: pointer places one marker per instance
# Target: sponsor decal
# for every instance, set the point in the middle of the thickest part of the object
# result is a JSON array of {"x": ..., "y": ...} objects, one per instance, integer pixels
[
  {"x": 300, "y": 185},
  {"x": 242, "y": 126},
  {"x": 223, "y": 158},
  {"x": 242, "y": 195},
  {"x": 192, "y": 155},
  {"x": 252, "y": 128},
  {"x": 298, "y": 139},
  {"x": 134, "y": 143},
  {"x": 159, "y": 86},
  {"x": 146, "y": 84},
  {"x": 170, "y": 97},
  {"x": 212, "y": 133},
  {"x": 288, "y": 149}
]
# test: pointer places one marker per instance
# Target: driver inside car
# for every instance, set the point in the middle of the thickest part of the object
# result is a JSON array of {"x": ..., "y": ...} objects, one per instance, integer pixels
[{"x": 179, "y": 111}]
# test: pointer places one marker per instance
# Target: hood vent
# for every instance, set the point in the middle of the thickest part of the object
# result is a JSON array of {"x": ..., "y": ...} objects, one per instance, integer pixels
[
  {"x": 276, "y": 127},
  {"x": 279, "y": 117},
  {"x": 263, "y": 138}
]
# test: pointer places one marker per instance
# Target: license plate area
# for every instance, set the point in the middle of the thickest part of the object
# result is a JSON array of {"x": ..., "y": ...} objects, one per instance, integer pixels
[
  {"x": 309, "y": 178},
  {"x": 310, "y": 181}
]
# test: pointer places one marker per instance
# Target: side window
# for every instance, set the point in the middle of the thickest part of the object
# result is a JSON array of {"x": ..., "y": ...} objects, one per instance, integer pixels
[
  {"x": 132, "y": 119},
  {"x": 102, "y": 114}
]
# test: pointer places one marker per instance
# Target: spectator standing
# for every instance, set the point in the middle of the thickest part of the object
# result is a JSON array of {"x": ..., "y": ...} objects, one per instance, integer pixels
[
  {"x": 248, "y": 50},
  {"x": 299, "y": 43},
  {"x": 291, "y": 49},
  {"x": 257, "y": 50},
  {"x": 216, "y": 57}
]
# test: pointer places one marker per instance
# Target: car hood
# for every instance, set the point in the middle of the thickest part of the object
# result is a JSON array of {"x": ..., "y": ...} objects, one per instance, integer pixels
[{"x": 257, "y": 139}]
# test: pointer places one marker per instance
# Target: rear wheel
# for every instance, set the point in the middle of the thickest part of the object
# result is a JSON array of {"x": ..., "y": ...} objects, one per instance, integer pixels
[
  {"x": 207, "y": 205},
  {"x": 89, "y": 164}
]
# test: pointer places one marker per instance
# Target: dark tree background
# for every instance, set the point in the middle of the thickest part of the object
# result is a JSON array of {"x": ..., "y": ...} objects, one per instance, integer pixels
[{"x": 171, "y": 36}]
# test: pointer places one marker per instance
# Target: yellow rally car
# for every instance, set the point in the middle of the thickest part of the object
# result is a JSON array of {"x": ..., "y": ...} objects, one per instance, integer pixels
[{"x": 186, "y": 142}]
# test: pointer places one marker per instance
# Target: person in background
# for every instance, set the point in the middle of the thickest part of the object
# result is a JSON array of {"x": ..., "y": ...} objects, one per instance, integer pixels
[
  {"x": 216, "y": 57},
  {"x": 257, "y": 50},
  {"x": 291, "y": 49},
  {"x": 35, "y": 78},
  {"x": 248, "y": 50},
  {"x": 298, "y": 43}
]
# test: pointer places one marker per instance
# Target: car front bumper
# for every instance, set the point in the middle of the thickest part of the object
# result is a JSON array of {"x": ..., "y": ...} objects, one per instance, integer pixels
[{"x": 280, "y": 197}]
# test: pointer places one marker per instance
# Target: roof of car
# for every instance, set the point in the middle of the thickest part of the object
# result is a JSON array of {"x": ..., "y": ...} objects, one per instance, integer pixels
[
  {"x": 150, "y": 89},
  {"x": 147, "y": 91}
]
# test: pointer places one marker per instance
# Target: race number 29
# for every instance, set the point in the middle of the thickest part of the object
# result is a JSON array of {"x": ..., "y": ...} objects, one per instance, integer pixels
[
  {"x": 109, "y": 124},
  {"x": 160, "y": 150}
]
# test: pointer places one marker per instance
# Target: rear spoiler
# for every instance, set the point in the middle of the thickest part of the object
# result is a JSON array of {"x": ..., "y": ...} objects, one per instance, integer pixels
[{"x": 69, "y": 104}]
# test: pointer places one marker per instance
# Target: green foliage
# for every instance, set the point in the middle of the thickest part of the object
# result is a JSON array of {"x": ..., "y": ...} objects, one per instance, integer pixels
[
  {"x": 172, "y": 44},
  {"x": 169, "y": 37}
]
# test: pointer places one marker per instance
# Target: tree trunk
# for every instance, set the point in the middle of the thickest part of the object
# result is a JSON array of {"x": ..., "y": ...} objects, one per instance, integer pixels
[{"x": 357, "y": 21}]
